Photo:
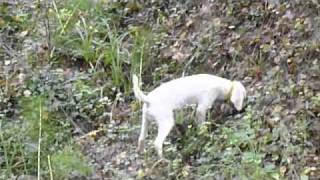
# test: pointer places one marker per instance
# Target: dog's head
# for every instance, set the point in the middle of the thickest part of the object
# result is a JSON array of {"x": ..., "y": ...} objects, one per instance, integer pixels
[{"x": 238, "y": 95}]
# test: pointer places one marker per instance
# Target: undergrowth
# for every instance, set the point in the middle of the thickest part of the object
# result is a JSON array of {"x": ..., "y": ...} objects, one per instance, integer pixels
[
  {"x": 20, "y": 148},
  {"x": 241, "y": 148},
  {"x": 90, "y": 31}
]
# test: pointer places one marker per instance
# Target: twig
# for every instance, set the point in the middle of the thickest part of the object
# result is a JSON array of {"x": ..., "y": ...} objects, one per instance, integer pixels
[
  {"x": 71, "y": 121},
  {"x": 68, "y": 20},
  {"x": 64, "y": 26},
  {"x": 57, "y": 12},
  {"x": 5, "y": 152},
  {"x": 187, "y": 65},
  {"x": 156, "y": 164},
  {"x": 8, "y": 50},
  {"x": 113, "y": 106},
  {"x": 98, "y": 61},
  {"x": 92, "y": 133},
  {"x": 39, "y": 140},
  {"x": 141, "y": 59},
  {"x": 47, "y": 28},
  {"x": 50, "y": 169}
]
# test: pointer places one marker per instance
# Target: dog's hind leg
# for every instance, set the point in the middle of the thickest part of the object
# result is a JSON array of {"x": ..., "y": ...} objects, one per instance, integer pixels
[
  {"x": 165, "y": 124},
  {"x": 144, "y": 129}
]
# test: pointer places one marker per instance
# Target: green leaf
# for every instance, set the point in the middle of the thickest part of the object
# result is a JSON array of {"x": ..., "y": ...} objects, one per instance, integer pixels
[{"x": 251, "y": 157}]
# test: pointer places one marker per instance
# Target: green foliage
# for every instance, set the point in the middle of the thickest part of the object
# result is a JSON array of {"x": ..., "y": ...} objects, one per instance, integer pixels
[
  {"x": 17, "y": 20},
  {"x": 316, "y": 100},
  {"x": 12, "y": 149},
  {"x": 96, "y": 37},
  {"x": 238, "y": 149},
  {"x": 88, "y": 101},
  {"x": 69, "y": 160},
  {"x": 142, "y": 40},
  {"x": 31, "y": 112},
  {"x": 19, "y": 143},
  {"x": 79, "y": 36},
  {"x": 115, "y": 56}
]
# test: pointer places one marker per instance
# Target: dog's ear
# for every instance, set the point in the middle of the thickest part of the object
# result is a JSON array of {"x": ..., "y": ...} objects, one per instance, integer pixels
[{"x": 238, "y": 95}]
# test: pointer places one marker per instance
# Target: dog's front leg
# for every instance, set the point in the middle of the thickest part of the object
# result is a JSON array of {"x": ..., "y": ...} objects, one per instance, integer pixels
[
  {"x": 201, "y": 115},
  {"x": 201, "y": 112},
  {"x": 204, "y": 104}
]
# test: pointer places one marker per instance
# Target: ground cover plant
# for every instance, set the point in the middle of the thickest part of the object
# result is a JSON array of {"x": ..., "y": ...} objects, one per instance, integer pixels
[{"x": 67, "y": 110}]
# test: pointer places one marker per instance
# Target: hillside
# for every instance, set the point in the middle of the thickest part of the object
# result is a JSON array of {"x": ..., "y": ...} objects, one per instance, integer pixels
[{"x": 67, "y": 110}]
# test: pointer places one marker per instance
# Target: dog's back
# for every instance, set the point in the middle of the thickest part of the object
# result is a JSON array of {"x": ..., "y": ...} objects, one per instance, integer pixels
[{"x": 185, "y": 90}]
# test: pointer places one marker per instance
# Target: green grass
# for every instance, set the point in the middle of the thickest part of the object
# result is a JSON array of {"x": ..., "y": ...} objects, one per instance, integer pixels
[
  {"x": 139, "y": 54},
  {"x": 89, "y": 32},
  {"x": 19, "y": 143},
  {"x": 68, "y": 160}
]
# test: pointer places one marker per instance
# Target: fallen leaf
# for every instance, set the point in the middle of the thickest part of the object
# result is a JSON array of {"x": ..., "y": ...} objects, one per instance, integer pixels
[
  {"x": 23, "y": 34},
  {"x": 283, "y": 170},
  {"x": 2, "y": 23}
]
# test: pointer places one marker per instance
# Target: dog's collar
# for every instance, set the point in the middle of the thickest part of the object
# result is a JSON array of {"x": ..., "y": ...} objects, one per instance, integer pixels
[{"x": 228, "y": 96}]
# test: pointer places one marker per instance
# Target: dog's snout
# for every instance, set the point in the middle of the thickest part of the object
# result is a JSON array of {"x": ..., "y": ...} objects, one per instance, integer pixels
[
  {"x": 244, "y": 108},
  {"x": 235, "y": 111}
]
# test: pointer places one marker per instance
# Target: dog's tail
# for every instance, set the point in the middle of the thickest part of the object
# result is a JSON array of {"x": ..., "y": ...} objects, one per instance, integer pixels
[{"x": 137, "y": 92}]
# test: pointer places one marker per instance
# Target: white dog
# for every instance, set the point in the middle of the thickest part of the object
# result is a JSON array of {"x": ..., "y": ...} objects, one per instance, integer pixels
[{"x": 201, "y": 89}]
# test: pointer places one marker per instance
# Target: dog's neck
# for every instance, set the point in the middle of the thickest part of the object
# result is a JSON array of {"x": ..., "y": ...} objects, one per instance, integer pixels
[{"x": 228, "y": 95}]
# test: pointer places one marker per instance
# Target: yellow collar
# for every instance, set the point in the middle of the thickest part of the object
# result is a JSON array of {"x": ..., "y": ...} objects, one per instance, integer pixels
[{"x": 228, "y": 96}]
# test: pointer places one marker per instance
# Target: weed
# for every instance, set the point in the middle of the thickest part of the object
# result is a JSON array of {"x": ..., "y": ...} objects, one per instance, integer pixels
[
  {"x": 142, "y": 40},
  {"x": 115, "y": 56},
  {"x": 68, "y": 160},
  {"x": 95, "y": 37},
  {"x": 20, "y": 145}
]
